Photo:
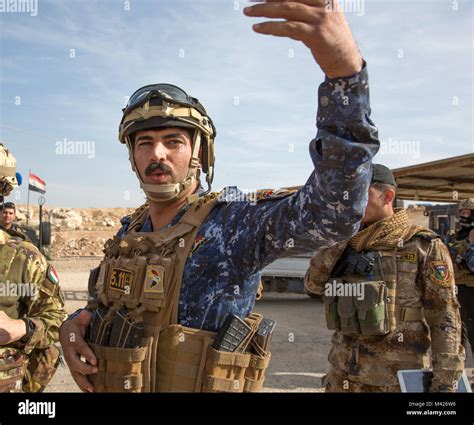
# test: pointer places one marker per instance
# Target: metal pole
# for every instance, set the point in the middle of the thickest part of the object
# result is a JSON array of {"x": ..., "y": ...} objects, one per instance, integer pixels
[
  {"x": 40, "y": 242},
  {"x": 41, "y": 201},
  {"x": 28, "y": 201}
]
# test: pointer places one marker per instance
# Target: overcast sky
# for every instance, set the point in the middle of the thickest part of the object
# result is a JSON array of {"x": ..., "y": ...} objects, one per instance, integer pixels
[{"x": 66, "y": 71}]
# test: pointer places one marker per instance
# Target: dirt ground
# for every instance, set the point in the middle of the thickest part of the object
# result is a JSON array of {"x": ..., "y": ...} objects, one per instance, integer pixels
[{"x": 299, "y": 347}]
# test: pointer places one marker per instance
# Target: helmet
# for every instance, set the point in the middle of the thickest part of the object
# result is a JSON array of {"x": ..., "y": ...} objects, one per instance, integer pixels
[
  {"x": 166, "y": 105},
  {"x": 467, "y": 204},
  {"x": 8, "y": 180}
]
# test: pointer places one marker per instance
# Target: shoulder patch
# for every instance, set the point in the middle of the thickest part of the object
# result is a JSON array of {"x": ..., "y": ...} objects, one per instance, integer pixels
[
  {"x": 440, "y": 274},
  {"x": 201, "y": 240},
  {"x": 52, "y": 275}
]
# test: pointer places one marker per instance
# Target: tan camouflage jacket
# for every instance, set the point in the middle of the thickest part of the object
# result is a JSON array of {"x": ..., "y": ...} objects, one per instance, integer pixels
[
  {"x": 29, "y": 288},
  {"x": 425, "y": 279}
]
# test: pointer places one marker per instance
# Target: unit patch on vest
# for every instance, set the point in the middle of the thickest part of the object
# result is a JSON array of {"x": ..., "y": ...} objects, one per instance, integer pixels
[
  {"x": 440, "y": 274},
  {"x": 121, "y": 280},
  {"x": 154, "y": 279},
  {"x": 409, "y": 257}
]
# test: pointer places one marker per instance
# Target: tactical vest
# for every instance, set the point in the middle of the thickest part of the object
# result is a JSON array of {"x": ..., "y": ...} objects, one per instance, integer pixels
[
  {"x": 371, "y": 305},
  {"x": 142, "y": 272},
  {"x": 462, "y": 274}
]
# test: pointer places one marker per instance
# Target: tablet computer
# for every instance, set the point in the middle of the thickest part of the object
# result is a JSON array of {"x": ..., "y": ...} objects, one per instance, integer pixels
[{"x": 419, "y": 380}]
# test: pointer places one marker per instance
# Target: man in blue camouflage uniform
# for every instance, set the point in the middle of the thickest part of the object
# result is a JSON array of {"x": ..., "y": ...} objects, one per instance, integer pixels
[{"x": 239, "y": 238}]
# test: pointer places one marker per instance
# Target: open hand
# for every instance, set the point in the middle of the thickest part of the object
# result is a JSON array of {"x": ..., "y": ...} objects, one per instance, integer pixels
[{"x": 319, "y": 24}]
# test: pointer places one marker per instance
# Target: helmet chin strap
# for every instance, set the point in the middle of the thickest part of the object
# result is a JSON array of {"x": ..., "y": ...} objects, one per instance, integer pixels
[{"x": 172, "y": 191}]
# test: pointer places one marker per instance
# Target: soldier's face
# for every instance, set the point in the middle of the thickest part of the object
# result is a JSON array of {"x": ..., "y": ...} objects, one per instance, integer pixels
[
  {"x": 465, "y": 213},
  {"x": 375, "y": 206},
  {"x": 8, "y": 215},
  {"x": 162, "y": 156}
]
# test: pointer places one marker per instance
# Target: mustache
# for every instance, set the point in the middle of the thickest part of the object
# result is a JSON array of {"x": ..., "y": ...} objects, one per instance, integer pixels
[{"x": 158, "y": 166}]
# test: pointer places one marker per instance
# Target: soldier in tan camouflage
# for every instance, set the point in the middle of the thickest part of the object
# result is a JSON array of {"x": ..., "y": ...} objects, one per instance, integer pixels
[
  {"x": 31, "y": 307},
  {"x": 389, "y": 295}
]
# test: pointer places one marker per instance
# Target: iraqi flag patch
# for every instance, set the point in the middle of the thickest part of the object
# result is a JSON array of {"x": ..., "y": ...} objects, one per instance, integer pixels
[
  {"x": 154, "y": 280},
  {"x": 200, "y": 241}
]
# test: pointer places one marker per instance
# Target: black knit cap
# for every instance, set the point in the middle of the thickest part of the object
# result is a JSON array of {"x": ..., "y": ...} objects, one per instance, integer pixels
[{"x": 382, "y": 174}]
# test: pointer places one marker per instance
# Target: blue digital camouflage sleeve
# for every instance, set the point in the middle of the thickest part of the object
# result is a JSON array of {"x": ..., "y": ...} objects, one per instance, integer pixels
[{"x": 328, "y": 208}]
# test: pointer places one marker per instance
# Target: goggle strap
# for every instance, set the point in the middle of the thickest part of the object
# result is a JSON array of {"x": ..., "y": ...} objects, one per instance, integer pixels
[
  {"x": 156, "y": 111},
  {"x": 196, "y": 148}
]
